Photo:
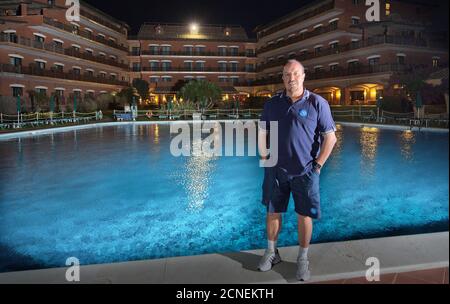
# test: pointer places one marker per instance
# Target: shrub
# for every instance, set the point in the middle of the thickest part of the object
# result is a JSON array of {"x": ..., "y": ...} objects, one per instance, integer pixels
[
  {"x": 104, "y": 101},
  {"x": 88, "y": 105},
  {"x": 42, "y": 102}
]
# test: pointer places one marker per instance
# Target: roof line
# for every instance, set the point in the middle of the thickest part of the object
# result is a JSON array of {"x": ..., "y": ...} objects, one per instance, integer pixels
[
  {"x": 184, "y": 24},
  {"x": 290, "y": 15},
  {"x": 114, "y": 19}
]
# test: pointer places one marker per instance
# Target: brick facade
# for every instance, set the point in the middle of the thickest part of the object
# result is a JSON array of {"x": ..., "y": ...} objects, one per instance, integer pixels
[{"x": 347, "y": 59}]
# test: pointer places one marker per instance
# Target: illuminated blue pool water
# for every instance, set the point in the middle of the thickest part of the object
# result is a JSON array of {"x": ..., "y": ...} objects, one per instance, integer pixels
[{"x": 113, "y": 194}]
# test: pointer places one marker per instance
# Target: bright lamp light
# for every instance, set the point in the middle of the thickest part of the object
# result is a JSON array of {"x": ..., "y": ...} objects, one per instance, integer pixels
[{"x": 194, "y": 28}]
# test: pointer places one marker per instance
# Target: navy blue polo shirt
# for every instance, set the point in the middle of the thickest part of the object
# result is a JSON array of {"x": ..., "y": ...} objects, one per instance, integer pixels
[{"x": 301, "y": 126}]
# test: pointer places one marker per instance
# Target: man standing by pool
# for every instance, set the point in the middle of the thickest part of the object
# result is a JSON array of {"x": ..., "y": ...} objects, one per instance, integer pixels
[{"x": 306, "y": 138}]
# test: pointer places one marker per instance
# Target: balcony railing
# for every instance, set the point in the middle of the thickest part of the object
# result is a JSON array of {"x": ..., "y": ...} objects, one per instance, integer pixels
[
  {"x": 376, "y": 40},
  {"x": 51, "y": 47},
  {"x": 103, "y": 22},
  {"x": 70, "y": 29},
  {"x": 34, "y": 71},
  {"x": 187, "y": 53},
  {"x": 196, "y": 69},
  {"x": 343, "y": 72},
  {"x": 300, "y": 37},
  {"x": 303, "y": 17}
]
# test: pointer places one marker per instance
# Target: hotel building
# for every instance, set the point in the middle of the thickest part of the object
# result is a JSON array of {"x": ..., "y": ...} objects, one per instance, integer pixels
[
  {"x": 40, "y": 51},
  {"x": 347, "y": 59},
  {"x": 167, "y": 55}
]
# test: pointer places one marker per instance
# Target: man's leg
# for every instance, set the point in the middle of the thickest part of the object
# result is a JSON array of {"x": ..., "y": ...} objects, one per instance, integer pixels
[
  {"x": 305, "y": 228},
  {"x": 273, "y": 222},
  {"x": 277, "y": 205},
  {"x": 307, "y": 206},
  {"x": 271, "y": 256}
]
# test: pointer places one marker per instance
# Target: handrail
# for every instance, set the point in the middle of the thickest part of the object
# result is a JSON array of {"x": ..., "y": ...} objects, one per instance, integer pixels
[
  {"x": 56, "y": 49},
  {"x": 318, "y": 31},
  {"x": 8, "y": 68},
  {"x": 341, "y": 72},
  {"x": 70, "y": 29},
  {"x": 21, "y": 120},
  {"x": 193, "y": 53},
  {"x": 101, "y": 21},
  {"x": 319, "y": 10},
  {"x": 195, "y": 69},
  {"x": 375, "y": 40}
]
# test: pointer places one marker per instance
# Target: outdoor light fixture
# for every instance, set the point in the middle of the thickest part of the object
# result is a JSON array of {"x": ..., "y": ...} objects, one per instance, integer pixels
[{"x": 194, "y": 28}]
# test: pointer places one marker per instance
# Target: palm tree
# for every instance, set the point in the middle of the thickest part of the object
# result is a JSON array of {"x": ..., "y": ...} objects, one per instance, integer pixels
[{"x": 202, "y": 93}]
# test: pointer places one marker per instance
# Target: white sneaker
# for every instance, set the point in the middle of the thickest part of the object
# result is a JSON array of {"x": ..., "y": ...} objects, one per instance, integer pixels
[
  {"x": 303, "y": 273},
  {"x": 268, "y": 260}
]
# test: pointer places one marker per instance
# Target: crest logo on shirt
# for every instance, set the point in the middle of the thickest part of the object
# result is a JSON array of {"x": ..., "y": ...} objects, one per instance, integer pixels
[{"x": 303, "y": 113}]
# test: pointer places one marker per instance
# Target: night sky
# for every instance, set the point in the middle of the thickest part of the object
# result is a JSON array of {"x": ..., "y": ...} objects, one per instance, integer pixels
[{"x": 248, "y": 14}]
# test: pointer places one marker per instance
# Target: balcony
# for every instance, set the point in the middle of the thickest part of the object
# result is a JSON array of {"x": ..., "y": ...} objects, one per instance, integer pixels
[
  {"x": 343, "y": 72},
  {"x": 298, "y": 19},
  {"x": 193, "y": 54},
  {"x": 34, "y": 71},
  {"x": 134, "y": 53},
  {"x": 56, "y": 49},
  {"x": 300, "y": 37},
  {"x": 70, "y": 29},
  {"x": 103, "y": 22},
  {"x": 194, "y": 69},
  {"x": 372, "y": 41}
]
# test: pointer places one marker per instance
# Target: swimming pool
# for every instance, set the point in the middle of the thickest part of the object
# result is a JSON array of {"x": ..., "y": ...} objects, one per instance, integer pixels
[{"x": 112, "y": 194}]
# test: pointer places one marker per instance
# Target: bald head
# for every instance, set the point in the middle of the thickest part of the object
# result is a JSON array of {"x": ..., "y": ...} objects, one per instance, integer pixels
[{"x": 295, "y": 63}]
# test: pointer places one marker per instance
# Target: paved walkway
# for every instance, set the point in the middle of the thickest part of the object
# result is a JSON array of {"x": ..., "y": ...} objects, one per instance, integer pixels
[{"x": 402, "y": 259}]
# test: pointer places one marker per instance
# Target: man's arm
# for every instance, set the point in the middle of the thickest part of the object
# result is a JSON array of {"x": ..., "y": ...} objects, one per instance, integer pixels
[{"x": 329, "y": 140}]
